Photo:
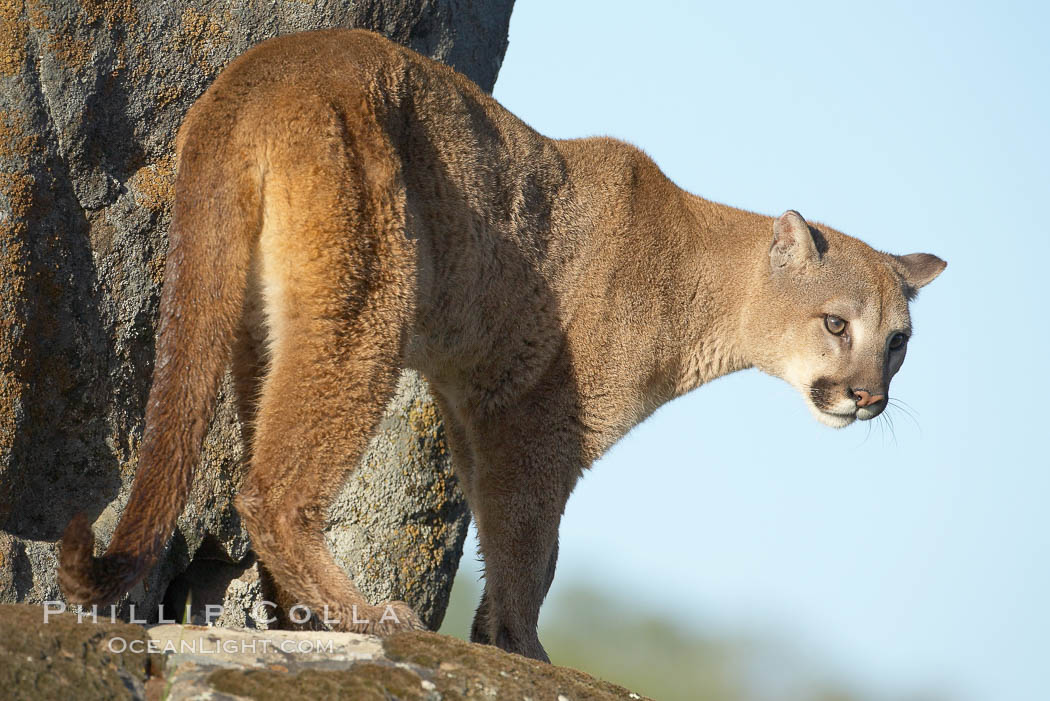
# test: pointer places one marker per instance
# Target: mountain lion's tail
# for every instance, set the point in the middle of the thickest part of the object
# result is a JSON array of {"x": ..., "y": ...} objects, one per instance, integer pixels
[{"x": 215, "y": 225}]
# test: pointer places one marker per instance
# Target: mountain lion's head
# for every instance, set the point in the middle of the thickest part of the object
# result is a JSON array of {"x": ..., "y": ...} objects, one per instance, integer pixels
[{"x": 836, "y": 323}]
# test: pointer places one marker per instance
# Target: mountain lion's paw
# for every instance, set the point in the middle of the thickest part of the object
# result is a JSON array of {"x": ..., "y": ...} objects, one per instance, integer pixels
[
  {"x": 385, "y": 619},
  {"x": 406, "y": 618}
]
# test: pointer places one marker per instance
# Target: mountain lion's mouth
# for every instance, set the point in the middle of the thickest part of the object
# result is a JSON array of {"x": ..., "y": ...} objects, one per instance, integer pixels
[{"x": 834, "y": 419}]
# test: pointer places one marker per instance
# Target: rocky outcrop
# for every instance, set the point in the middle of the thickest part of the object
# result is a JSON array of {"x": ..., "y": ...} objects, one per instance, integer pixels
[
  {"x": 72, "y": 658},
  {"x": 91, "y": 94},
  {"x": 60, "y": 658}
]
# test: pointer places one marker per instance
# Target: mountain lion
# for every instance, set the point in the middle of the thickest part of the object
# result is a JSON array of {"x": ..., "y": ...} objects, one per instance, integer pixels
[{"x": 346, "y": 208}]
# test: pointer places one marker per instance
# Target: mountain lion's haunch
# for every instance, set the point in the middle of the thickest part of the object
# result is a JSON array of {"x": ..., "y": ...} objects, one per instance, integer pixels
[{"x": 345, "y": 208}]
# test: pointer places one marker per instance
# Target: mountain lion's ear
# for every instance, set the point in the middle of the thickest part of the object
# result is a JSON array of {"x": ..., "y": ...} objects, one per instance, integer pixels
[
  {"x": 793, "y": 243},
  {"x": 919, "y": 270}
]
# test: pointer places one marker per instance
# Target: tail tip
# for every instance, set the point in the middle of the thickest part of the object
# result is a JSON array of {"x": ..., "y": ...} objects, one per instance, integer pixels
[{"x": 76, "y": 561}]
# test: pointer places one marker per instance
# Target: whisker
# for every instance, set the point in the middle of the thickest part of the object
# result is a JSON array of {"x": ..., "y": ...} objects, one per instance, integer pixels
[
  {"x": 867, "y": 435},
  {"x": 893, "y": 428},
  {"x": 903, "y": 403},
  {"x": 886, "y": 420},
  {"x": 907, "y": 412}
]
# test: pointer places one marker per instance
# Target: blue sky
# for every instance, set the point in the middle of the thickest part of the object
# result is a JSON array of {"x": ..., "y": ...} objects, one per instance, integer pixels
[{"x": 920, "y": 559}]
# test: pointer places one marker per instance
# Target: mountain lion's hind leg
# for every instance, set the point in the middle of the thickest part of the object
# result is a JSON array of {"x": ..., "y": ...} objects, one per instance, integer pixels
[
  {"x": 337, "y": 284},
  {"x": 315, "y": 418}
]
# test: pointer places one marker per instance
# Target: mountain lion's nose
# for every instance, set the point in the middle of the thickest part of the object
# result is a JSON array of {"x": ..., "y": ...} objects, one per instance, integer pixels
[{"x": 864, "y": 397}]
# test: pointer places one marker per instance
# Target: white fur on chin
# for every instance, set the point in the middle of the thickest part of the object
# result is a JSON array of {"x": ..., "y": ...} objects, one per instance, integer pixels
[{"x": 833, "y": 420}]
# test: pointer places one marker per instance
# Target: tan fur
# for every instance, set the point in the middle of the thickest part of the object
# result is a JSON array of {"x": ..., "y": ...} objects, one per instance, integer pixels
[{"x": 346, "y": 207}]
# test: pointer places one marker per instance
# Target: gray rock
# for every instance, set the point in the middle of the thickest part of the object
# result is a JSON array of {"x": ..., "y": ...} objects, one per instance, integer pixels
[
  {"x": 201, "y": 663},
  {"x": 91, "y": 95},
  {"x": 61, "y": 657},
  {"x": 82, "y": 658}
]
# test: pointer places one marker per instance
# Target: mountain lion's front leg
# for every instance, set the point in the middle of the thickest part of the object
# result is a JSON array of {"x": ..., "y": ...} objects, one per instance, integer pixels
[
  {"x": 479, "y": 630},
  {"x": 528, "y": 461}
]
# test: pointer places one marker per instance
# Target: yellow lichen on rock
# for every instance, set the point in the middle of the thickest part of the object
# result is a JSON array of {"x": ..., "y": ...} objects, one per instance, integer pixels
[
  {"x": 12, "y": 282},
  {"x": 199, "y": 32},
  {"x": 168, "y": 95},
  {"x": 18, "y": 189},
  {"x": 154, "y": 184},
  {"x": 10, "y": 391},
  {"x": 15, "y": 139},
  {"x": 73, "y": 53},
  {"x": 114, "y": 12},
  {"x": 12, "y": 37}
]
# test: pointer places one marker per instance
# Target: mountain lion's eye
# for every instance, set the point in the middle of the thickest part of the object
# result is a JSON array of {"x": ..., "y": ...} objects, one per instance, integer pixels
[
  {"x": 834, "y": 324},
  {"x": 898, "y": 341}
]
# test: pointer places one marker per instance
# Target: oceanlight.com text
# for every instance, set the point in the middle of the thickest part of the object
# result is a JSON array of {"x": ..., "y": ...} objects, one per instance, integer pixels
[{"x": 201, "y": 646}]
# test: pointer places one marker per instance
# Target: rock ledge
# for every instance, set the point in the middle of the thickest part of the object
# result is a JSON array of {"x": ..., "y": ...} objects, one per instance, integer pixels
[{"x": 64, "y": 658}]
